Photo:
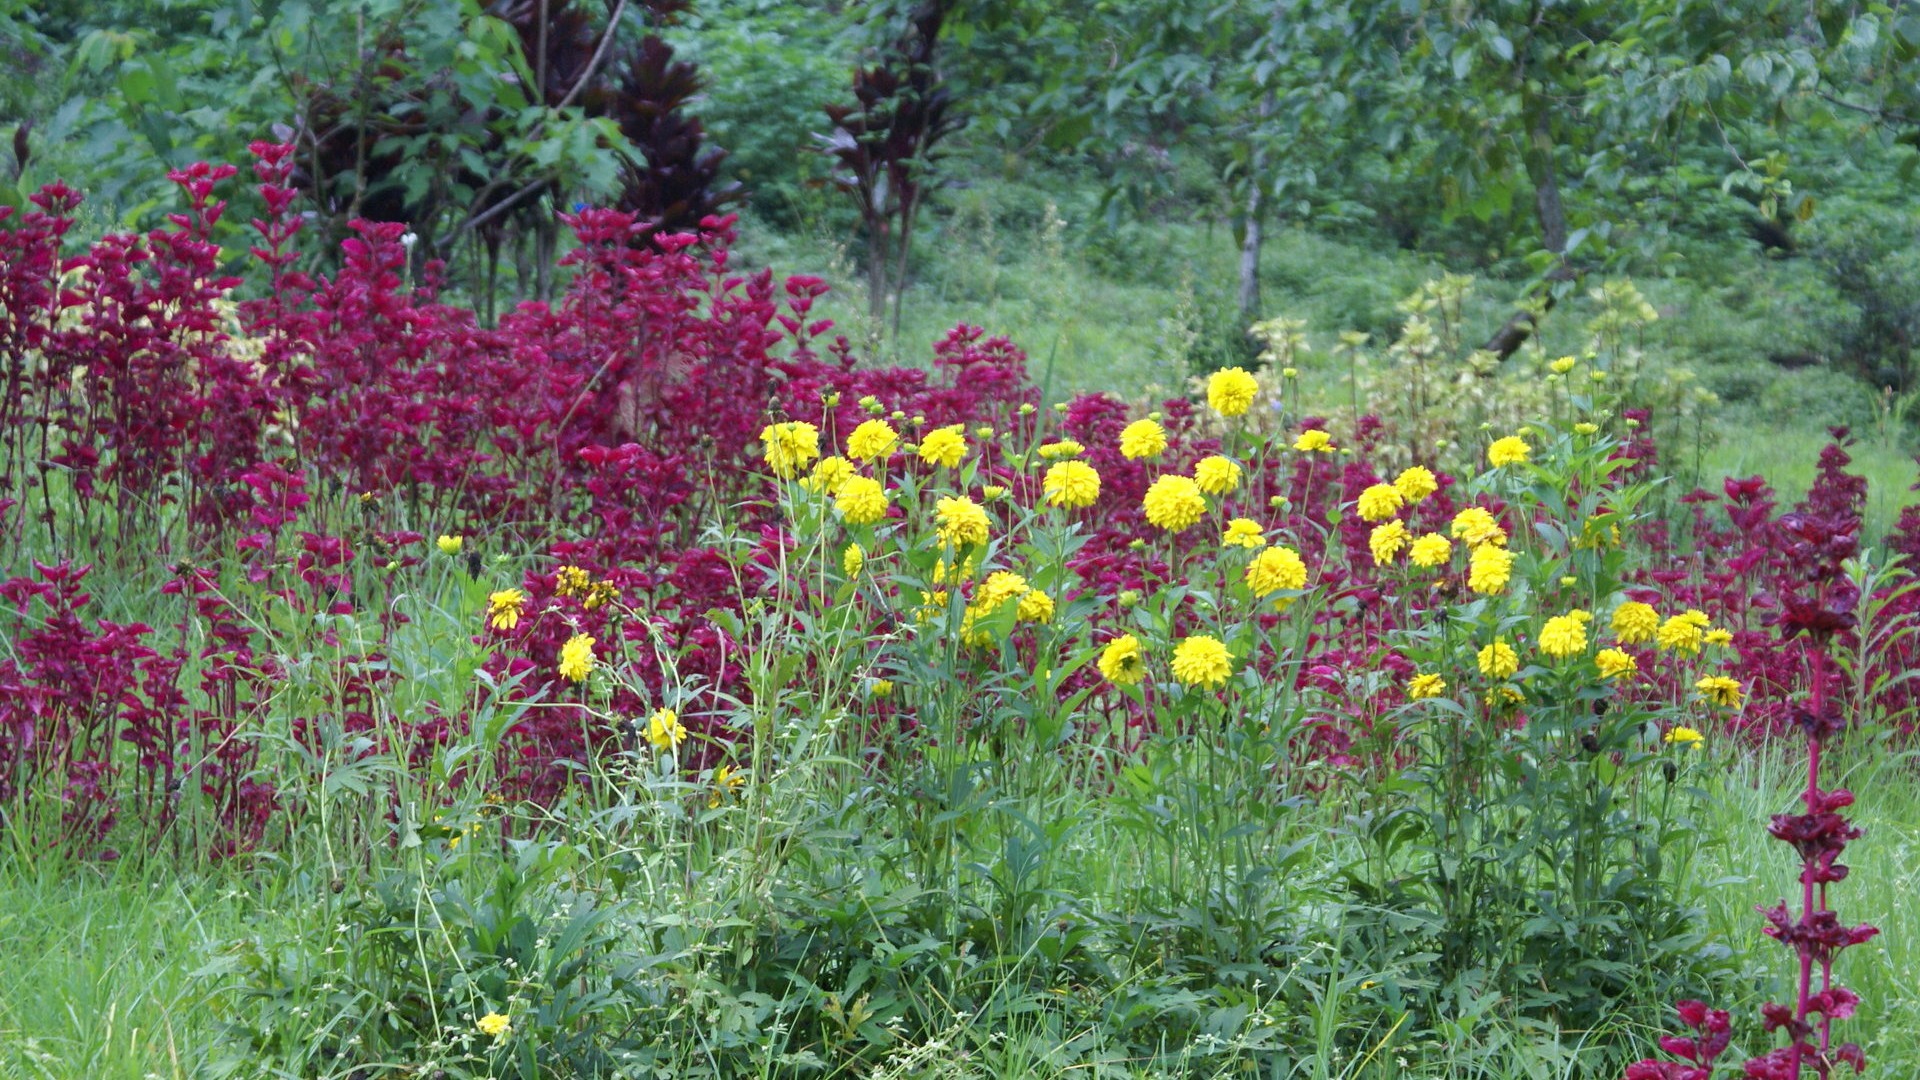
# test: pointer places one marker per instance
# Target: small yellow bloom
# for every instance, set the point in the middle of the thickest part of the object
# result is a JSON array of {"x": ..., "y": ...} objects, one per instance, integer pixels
[
  {"x": 1719, "y": 636},
  {"x": 576, "y": 657},
  {"x": 1512, "y": 450},
  {"x": 1202, "y": 660},
  {"x": 665, "y": 732},
  {"x": 861, "y": 501},
  {"x": 1587, "y": 428},
  {"x": 1174, "y": 503},
  {"x": 1635, "y": 622},
  {"x": 1616, "y": 664},
  {"x": 1387, "y": 540},
  {"x": 1685, "y": 632},
  {"x": 1379, "y": 502},
  {"x": 872, "y": 440},
  {"x": 1489, "y": 569},
  {"x": 1720, "y": 690},
  {"x": 960, "y": 521},
  {"x": 1498, "y": 660},
  {"x": 1142, "y": 439},
  {"x": 1000, "y": 587},
  {"x": 726, "y": 782},
  {"x": 1684, "y": 736},
  {"x": 1216, "y": 475},
  {"x": 1071, "y": 483},
  {"x": 495, "y": 1025},
  {"x": 1036, "y": 606},
  {"x": 1230, "y": 391},
  {"x": 1276, "y": 568},
  {"x": 571, "y": 581},
  {"x": 828, "y": 474},
  {"x": 1563, "y": 636},
  {"x": 945, "y": 446},
  {"x": 853, "y": 560},
  {"x": 1426, "y": 686},
  {"x": 1314, "y": 439},
  {"x": 504, "y": 608},
  {"x": 1416, "y": 483},
  {"x": 790, "y": 447},
  {"x": 1477, "y": 526},
  {"x": 450, "y": 545},
  {"x": 1562, "y": 365},
  {"x": 1430, "y": 550},
  {"x": 880, "y": 688},
  {"x": 1121, "y": 662},
  {"x": 992, "y": 491},
  {"x": 1065, "y": 448},
  {"x": 1243, "y": 533}
]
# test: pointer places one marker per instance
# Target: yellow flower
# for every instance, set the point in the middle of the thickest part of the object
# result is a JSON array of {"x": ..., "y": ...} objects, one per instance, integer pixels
[
  {"x": 1635, "y": 622},
  {"x": 1065, "y": 448},
  {"x": 504, "y": 607},
  {"x": 861, "y": 501},
  {"x": 1000, "y": 587},
  {"x": 1426, "y": 686},
  {"x": 1586, "y": 428},
  {"x": 992, "y": 491},
  {"x": 1512, "y": 450},
  {"x": 1276, "y": 568},
  {"x": 450, "y": 545},
  {"x": 1430, "y": 550},
  {"x": 1202, "y": 660},
  {"x": 1379, "y": 502},
  {"x": 1719, "y": 636},
  {"x": 1477, "y": 527},
  {"x": 1230, "y": 391},
  {"x": 1174, "y": 503},
  {"x": 945, "y": 446},
  {"x": 983, "y": 432},
  {"x": 880, "y": 688},
  {"x": 853, "y": 560},
  {"x": 1071, "y": 483},
  {"x": 576, "y": 657},
  {"x": 1128, "y": 598},
  {"x": 1142, "y": 439},
  {"x": 960, "y": 521},
  {"x": 725, "y": 782},
  {"x": 1720, "y": 690},
  {"x": 1314, "y": 439},
  {"x": 1563, "y": 635},
  {"x": 1243, "y": 533},
  {"x": 1489, "y": 569},
  {"x": 1386, "y": 541},
  {"x": 1684, "y": 632},
  {"x": 790, "y": 447},
  {"x": 932, "y": 605},
  {"x": 1121, "y": 662},
  {"x": 571, "y": 581},
  {"x": 1216, "y": 475},
  {"x": 872, "y": 440},
  {"x": 495, "y": 1025},
  {"x": 1616, "y": 664},
  {"x": 1036, "y": 606},
  {"x": 664, "y": 730},
  {"x": 1505, "y": 695},
  {"x": 1684, "y": 736},
  {"x": 828, "y": 474},
  {"x": 1562, "y": 365},
  {"x": 1416, "y": 483},
  {"x": 1498, "y": 660}
]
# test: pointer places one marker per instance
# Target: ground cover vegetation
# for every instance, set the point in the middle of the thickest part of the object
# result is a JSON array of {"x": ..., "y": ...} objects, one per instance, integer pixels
[{"x": 957, "y": 539}]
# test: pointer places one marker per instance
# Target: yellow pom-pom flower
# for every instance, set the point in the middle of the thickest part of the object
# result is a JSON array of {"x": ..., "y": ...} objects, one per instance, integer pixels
[
  {"x": 1489, "y": 569},
  {"x": 1230, "y": 391},
  {"x": 1216, "y": 475},
  {"x": 828, "y": 474},
  {"x": 1477, "y": 526},
  {"x": 1415, "y": 483},
  {"x": 1314, "y": 439},
  {"x": 1276, "y": 568},
  {"x": 1635, "y": 622},
  {"x": 1683, "y": 735},
  {"x": 1430, "y": 550},
  {"x": 945, "y": 446},
  {"x": 1174, "y": 503},
  {"x": 1202, "y": 660},
  {"x": 1065, "y": 448},
  {"x": 665, "y": 732},
  {"x": 495, "y": 1025},
  {"x": 450, "y": 545},
  {"x": 504, "y": 608},
  {"x": 960, "y": 521},
  {"x": 1071, "y": 483},
  {"x": 576, "y": 657},
  {"x": 1243, "y": 533},
  {"x": 1121, "y": 662},
  {"x": 872, "y": 440},
  {"x": 1563, "y": 636},
  {"x": 1616, "y": 664},
  {"x": 1426, "y": 686},
  {"x": 1720, "y": 690},
  {"x": 1142, "y": 439},
  {"x": 861, "y": 501},
  {"x": 1719, "y": 636},
  {"x": 790, "y": 447},
  {"x": 1036, "y": 606},
  {"x": 1498, "y": 660},
  {"x": 1379, "y": 502},
  {"x": 852, "y": 560},
  {"x": 1685, "y": 632},
  {"x": 1512, "y": 450},
  {"x": 1388, "y": 540}
]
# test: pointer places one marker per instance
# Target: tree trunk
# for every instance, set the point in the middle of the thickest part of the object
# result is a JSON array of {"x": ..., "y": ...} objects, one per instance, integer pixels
[
  {"x": 1251, "y": 240},
  {"x": 1552, "y": 217}
]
